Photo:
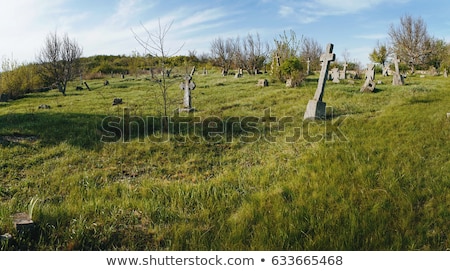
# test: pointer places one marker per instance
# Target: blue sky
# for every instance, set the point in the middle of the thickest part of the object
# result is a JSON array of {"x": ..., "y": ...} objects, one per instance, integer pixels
[{"x": 104, "y": 27}]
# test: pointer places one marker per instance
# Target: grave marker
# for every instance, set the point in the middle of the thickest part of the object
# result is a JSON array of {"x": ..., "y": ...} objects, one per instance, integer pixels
[
  {"x": 398, "y": 78},
  {"x": 188, "y": 85},
  {"x": 316, "y": 108},
  {"x": 335, "y": 75},
  {"x": 369, "y": 84}
]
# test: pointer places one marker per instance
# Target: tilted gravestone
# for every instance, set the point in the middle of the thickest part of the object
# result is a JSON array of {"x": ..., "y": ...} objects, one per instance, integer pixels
[
  {"x": 188, "y": 85},
  {"x": 316, "y": 108},
  {"x": 335, "y": 75},
  {"x": 369, "y": 84},
  {"x": 398, "y": 79}
]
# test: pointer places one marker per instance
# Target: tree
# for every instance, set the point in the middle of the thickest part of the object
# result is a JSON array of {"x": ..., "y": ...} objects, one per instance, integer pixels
[
  {"x": 59, "y": 60},
  {"x": 411, "y": 41},
  {"x": 380, "y": 54},
  {"x": 311, "y": 50},
  {"x": 287, "y": 48},
  {"x": 222, "y": 52},
  {"x": 154, "y": 46}
]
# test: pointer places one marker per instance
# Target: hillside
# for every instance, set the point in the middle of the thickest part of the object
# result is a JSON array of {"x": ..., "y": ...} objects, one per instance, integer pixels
[{"x": 374, "y": 176}]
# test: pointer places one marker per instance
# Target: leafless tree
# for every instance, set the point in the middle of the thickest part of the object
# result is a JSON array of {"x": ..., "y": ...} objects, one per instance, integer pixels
[
  {"x": 311, "y": 49},
  {"x": 154, "y": 46},
  {"x": 222, "y": 52},
  {"x": 411, "y": 40},
  {"x": 255, "y": 52},
  {"x": 59, "y": 60}
]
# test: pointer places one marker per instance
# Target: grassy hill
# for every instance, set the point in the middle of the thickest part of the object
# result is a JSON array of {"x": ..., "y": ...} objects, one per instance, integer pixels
[{"x": 242, "y": 173}]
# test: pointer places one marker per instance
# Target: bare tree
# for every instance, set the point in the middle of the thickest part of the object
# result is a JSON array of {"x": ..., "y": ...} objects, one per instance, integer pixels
[
  {"x": 411, "y": 40},
  {"x": 154, "y": 46},
  {"x": 222, "y": 52},
  {"x": 59, "y": 60},
  {"x": 311, "y": 49},
  {"x": 255, "y": 53}
]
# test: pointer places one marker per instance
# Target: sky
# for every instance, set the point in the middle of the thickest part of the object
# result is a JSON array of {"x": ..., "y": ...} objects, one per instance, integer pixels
[{"x": 105, "y": 27}]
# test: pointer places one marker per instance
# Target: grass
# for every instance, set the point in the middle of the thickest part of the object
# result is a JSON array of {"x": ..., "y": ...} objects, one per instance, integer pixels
[{"x": 374, "y": 176}]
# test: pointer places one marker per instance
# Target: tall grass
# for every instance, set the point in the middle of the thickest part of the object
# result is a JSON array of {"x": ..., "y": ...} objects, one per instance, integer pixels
[{"x": 383, "y": 186}]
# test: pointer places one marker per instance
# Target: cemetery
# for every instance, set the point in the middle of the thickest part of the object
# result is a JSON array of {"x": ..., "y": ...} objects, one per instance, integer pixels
[{"x": 277, "y": 151}]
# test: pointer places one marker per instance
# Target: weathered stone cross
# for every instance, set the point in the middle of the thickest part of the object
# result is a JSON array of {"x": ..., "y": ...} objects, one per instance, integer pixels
[
  {"x": 325, "y": 58},
  {"x": 188, "y": 85},
  {"x": 316, "y": 108}
]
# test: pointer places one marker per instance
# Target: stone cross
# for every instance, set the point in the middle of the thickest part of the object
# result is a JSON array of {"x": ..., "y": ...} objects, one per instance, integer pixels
[
  {"x": 188, "y": 85},
  {"x": 325, "y": 58},
  {"x": 370, "y": 73},
  {"x": 335, "y": 75},
  {"x": 316, "y": 109},
  {"x": 398, "y": 78}
]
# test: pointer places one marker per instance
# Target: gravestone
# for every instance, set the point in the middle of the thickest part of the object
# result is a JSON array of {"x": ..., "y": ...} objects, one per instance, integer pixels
[
  {"x": 308, "y": 62},
  {"x": 224, "y": 72},
  {"x": 205, "y": 71},
  {"x": 445, "y": 73},
  {"x": 385, "y": 70},
  {"x": 239, "y": 74},
  {"x": 335, "y": 75},
  {"x": 188, "y": 85},
  {"x": 316, "y": 108},
  {"x": 290, "y": 83},
  {"x": 398, "y": 79},
  {"x": 343, "y": 75},
  {"x": 369, "y": 84},
  {"x": 263, "y": 83}
]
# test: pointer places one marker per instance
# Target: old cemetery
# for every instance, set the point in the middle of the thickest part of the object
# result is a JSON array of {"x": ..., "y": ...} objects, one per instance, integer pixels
[{"x": 104, "y": 170}]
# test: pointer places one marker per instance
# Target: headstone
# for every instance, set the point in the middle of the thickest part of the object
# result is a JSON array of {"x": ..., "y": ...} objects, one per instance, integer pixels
[
  {"x": 117, "y": 101},
  {"x": 238, "y": 74},
  {"x": 224, "y": 72},
  {"x": 106, "y": 83},
  {"x": 188, "y": 85},
  {"x": 316, "y": 108},
  {"x": 343, "y": 75},
  {"x": 385, "y": 70},
  {"x": 205, "y": 71},
  {"x": 263, "y": 83},
  {"x": 398, "y": 78},
  {"x": 445, "y": 73},
  {"x": 335, "y": 75},
  {"x": 369, "y": 84},
  {"x": 290, "y": 83},
  {"x": 308, "y": 62}
]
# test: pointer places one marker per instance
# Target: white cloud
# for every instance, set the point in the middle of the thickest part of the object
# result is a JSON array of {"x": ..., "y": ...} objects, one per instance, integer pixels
[{"x": 310, "y": 11}]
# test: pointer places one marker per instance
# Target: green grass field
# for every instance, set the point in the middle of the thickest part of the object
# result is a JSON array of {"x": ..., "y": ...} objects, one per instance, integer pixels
[{"x": 374, "y": 176}]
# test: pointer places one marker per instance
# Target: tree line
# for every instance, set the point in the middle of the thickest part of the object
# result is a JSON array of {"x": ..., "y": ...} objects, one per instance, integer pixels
[{"x": 413, "y": 45}]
